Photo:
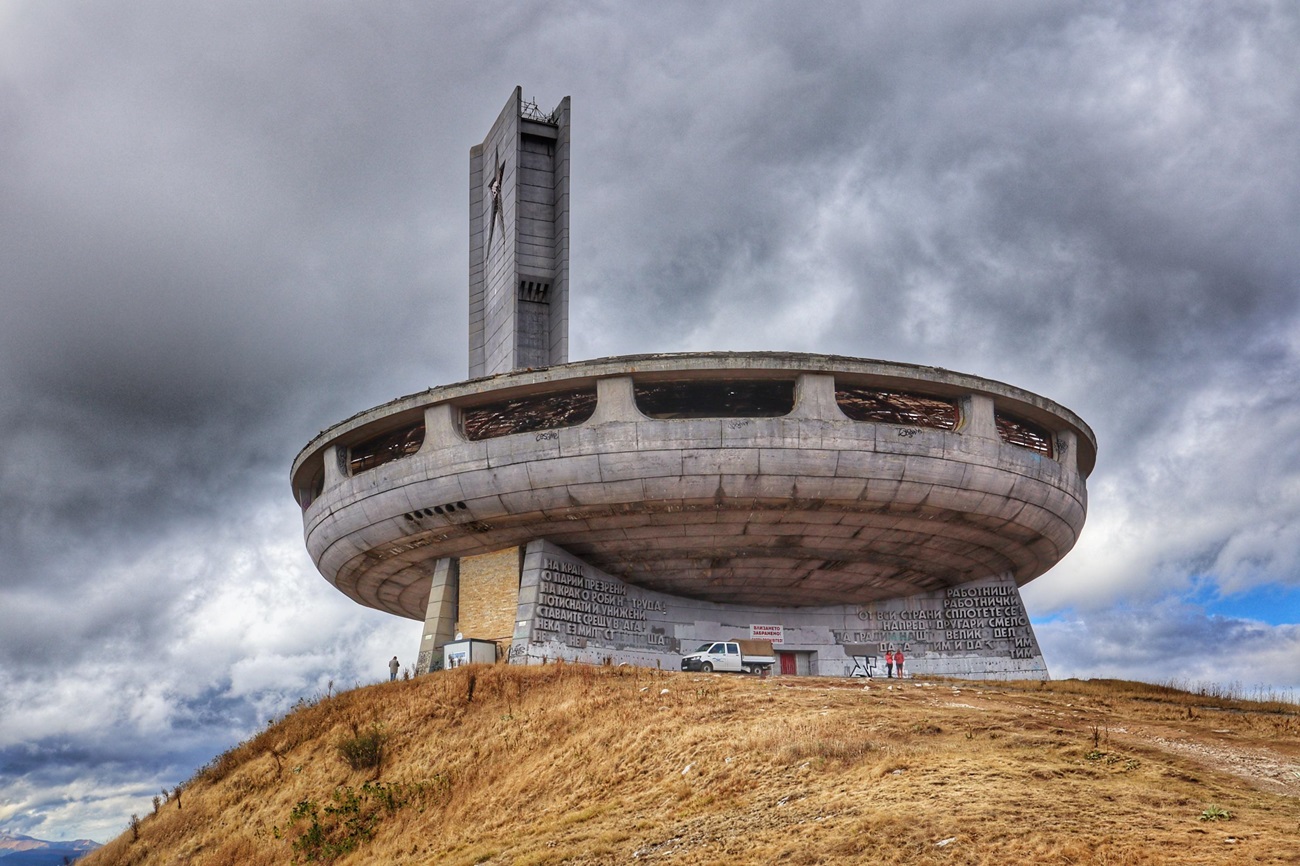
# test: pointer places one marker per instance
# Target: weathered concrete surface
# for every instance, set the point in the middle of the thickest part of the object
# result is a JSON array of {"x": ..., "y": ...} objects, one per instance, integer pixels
[
  {"x": 573, "y": 611},
  {"x": 810, "y": 509},
  {"x": 441, "y": 615},
  {"x": 519, "y": 242}
]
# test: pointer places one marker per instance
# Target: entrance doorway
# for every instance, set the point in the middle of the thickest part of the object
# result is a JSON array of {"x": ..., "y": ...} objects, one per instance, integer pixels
[
  {"x": 789, "y": 664},
  {"x": 797, "y": 663}
]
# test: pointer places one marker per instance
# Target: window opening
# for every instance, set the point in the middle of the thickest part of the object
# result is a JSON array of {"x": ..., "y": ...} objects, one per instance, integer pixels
[
  {"x": 527, "y": 414},
  {"x": 535, "y": 291},
  {"x": 315, "y": 485},
  {"x": 1017, "y": 431},
  {"x": 896, "y": 407},
  {"x": 755, "y": 398},
  {"x": 385, "y": 448}
]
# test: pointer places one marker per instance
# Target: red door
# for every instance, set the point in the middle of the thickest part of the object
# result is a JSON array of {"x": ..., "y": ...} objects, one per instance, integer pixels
[{"x": 788, "y": 665}]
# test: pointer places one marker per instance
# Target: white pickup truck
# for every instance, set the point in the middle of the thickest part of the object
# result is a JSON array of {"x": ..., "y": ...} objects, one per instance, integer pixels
[{"x": 739, "y": 656}]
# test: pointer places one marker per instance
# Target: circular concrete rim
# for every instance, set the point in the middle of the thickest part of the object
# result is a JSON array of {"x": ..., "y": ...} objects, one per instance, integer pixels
[
  {"x": 932, "y": 381},
  {"x": 750, "y": 366}
]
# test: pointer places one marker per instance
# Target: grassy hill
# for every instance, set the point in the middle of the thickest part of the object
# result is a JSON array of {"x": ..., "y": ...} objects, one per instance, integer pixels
[{"x": 583, "y": 765}]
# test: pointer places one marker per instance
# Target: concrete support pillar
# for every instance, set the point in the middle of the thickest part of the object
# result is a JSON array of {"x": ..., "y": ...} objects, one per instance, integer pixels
[
  {"x": 814, "y": 397},
  {"x": 615, "y": 401},
  {"x": 977, "y": 417},
  {"x": 1066, "y": 451},
  {"x": 529, "y": 593},
  {"x": 440, "y": 428},
  {"x": 440, "y": 616},
  {"x": 333, "y": 466}
]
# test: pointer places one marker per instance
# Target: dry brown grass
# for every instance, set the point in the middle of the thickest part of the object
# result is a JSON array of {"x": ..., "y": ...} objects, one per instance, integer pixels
[{"x": 581, "y": 765}]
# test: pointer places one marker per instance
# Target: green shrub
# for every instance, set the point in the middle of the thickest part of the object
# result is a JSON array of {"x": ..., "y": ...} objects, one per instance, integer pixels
[
  {"x": 363, "y": 750},
  {"x": 1215, "y": 813},
  {"x": 352, "y": 817}
]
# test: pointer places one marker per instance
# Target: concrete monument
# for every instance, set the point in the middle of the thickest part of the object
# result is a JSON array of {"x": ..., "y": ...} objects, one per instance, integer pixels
[{"x": 624, "y": 510}]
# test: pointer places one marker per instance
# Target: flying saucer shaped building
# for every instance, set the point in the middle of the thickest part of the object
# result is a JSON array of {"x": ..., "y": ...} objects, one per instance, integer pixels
[{"x": 624, "y": 510}]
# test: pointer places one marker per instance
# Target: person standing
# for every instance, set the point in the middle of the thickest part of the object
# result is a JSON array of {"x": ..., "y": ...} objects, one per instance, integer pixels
[
  {"x": 889, "y": 663},
  {"x": 898, "y": 663},
  {"x": 393, "y": 667}
]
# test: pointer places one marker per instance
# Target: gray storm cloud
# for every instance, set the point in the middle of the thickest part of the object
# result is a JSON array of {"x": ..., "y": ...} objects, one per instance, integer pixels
[{"x": 226, "y": 226}]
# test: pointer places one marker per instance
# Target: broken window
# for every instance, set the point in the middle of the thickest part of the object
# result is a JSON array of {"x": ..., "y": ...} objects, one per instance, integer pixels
[
  {"x": 527, "y": 414},
  {"x": 385, "y": 448},
  {"x": 756, "y": 398},
  {"x": 313, "y": 485},
  {"x": 1017, "y": 431},
  {"x": 895, "y": 407}
]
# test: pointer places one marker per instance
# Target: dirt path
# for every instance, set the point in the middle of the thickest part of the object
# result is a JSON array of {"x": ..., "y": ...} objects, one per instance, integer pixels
[{"x": 1265, "y": 768}]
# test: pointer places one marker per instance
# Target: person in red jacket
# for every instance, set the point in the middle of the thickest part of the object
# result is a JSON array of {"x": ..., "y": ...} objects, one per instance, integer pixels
[
  {"x": 889, "y": 663},
  {"x": 898, "y": 663}
]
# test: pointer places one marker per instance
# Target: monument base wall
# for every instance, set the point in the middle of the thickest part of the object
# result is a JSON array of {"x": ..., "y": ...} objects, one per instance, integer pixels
[{"x": 569, "y": 610}]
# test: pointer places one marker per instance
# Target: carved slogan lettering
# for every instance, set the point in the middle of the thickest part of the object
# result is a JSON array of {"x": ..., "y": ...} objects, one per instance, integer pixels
[
  {"x": 981, "y": 620},
  {"x": 574, "y": 604}
]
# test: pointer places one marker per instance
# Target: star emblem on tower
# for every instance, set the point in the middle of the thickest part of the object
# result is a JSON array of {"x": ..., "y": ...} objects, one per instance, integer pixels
[{"x": 494, "y": 193}]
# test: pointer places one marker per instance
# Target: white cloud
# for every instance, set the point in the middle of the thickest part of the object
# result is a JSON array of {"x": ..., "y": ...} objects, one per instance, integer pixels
[
  {"x": 221, "y": 232},
  {"x": 1174, "y": 643}
]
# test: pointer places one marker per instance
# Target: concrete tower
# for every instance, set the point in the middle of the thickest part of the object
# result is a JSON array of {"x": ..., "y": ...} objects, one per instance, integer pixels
[{"x": 519, "y": 241}]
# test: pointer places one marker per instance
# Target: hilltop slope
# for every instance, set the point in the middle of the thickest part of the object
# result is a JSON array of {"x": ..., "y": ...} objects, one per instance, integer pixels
[{"x": 581, "y": 765}]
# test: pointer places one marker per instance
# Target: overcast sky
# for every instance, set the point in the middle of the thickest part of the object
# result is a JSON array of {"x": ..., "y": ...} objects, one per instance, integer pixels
[{"x": 225, "y": 226}]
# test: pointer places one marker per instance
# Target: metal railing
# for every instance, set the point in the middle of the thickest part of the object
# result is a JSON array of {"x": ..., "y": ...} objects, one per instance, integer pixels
[{"x": 529, "y": 110}]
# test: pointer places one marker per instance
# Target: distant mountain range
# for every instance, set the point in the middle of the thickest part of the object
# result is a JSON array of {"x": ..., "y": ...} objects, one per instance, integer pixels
[{"x": 18, "y": 850}]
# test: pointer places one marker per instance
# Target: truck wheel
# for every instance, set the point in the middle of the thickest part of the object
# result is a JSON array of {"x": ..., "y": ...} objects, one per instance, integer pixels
[{"x": 707, "y": 668}]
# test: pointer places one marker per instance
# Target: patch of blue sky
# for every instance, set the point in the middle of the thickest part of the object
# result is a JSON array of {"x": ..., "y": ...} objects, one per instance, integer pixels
[
  {"x": 1062, "y": 615},
  {"x": 1270, "y": 603}
]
